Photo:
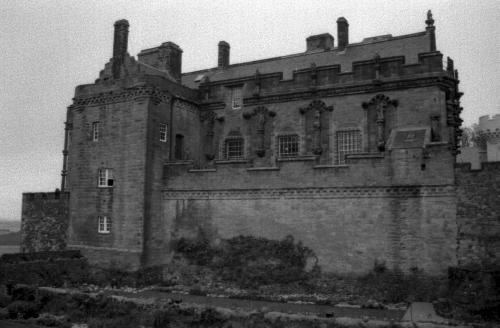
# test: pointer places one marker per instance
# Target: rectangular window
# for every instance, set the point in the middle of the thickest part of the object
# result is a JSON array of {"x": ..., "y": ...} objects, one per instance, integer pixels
[
  {"x": 95, "y": 131},
  {"x": 163, "y": 132},
  {"x": 234, "y": 148},
  {"x": 104, "y": 225},
  {"x": 288, "y": 146},
  {"x": 236, "y": 98},
  {"x": 105, "y": 178},
  {"x": 348, "y": 142}
]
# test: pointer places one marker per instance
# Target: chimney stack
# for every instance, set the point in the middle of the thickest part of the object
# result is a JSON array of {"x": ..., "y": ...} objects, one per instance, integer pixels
[
  {"x": 171, "y": 59},
  {"x": 119, "y": 45},
  {"x": 342, "y": 33},
  {"x": 320, "y": 42},
  {"x": 223, "y": 60}
]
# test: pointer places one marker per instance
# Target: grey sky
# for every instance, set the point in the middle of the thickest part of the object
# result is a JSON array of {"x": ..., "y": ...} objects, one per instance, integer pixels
[{"x": 49, "y": 47}]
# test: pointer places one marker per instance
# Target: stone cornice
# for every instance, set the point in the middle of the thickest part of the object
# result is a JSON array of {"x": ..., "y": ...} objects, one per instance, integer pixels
[
  {"x": 155, "y": 94},
  {"x": 358, "y": 88},
  {"x": 320, "y": 193}
]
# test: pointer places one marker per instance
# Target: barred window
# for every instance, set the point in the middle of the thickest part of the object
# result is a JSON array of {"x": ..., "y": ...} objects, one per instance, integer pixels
[
  {"x": 288, "y": 145},
  {"x": 163, "y": 132},
  {"x": 95, "y": 131},
  {"x": 105, "y": 178},
  {"x": 236, "y": 98},
  {"x": 234, "y": 148},
  {"x": 104, "y": 224},
  {"x": 348, "y": 142}
]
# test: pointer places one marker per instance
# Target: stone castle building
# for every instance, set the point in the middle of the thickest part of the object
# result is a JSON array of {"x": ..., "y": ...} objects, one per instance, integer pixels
[{"x": 348, "y": 147}]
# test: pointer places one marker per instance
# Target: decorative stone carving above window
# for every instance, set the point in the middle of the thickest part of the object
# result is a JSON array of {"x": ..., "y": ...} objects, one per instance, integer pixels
[
  {"x": 209, "y": 118},
  {"x": 262, "y": 114},
  {"x": 318, "y": 109},
  {"x": 377, "y": 108}
]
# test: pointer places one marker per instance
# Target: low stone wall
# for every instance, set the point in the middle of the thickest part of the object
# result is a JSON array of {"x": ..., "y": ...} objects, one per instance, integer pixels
[
  {"x": 44, "y": 221},
  {"x": 478, "y": 214}
]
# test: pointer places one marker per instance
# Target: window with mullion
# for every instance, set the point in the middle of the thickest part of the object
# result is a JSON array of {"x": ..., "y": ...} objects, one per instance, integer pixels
[
  {"x": 288, "y": 145},
  {"x": 234, "y": 148},
  {"x": 348, "y": 142}
]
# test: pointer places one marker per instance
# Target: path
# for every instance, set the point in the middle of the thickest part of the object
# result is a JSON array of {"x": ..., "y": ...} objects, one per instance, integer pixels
[{"x": 250, "y": 305}]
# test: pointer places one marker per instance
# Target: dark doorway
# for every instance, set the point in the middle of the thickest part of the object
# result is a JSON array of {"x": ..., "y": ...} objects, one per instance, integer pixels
[{"x": 179, "y": 145}]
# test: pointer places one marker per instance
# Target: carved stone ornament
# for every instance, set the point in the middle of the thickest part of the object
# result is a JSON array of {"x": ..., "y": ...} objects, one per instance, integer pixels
[
  {"x": 318, "y": 107},
  {"x": 209, "y": 117},
  {"x": 261, "y": 113},
  {"x": 380, "y": 102}
]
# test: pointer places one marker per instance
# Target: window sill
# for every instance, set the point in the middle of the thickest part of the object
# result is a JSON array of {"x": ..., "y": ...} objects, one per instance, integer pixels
[
  {"x": 336, "y": 166},
  {"x": 270, "y": 168},
  {"x": 180, "y": 162},
  {"x": 104, "y": 232},
  {"x": 297, "y": 158},
  {"x": 365, "y": 155},
  {"x": 231, "y": 161},
  {"x": 201, "y": 170},
  {"x": 105, "y": 187}
]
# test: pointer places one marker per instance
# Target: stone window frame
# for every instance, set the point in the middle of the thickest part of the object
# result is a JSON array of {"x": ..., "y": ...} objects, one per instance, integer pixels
[
  {"x": 237, "y": 97},
  {"x": 103, "y": 224},
  {"x": 354, "y": 145},
  {"x": 95, "y": 130},
  {"x": 163, "y": 131},
  {"x": 225, "y": 150},
  {"x": 105, "y": 178},
  {"x": 278, "y": 145}
]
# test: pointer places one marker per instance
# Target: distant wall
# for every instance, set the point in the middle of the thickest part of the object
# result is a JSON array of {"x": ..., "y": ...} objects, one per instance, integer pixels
[
  {"x": 44, "y": 221},
  {"x": 478, "y": 214}
]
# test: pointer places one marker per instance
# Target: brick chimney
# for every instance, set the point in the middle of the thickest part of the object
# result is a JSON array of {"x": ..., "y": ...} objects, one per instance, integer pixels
[
  {"x": 342, "y": 33},
  {"x": 119, "y": 46},
  {"x": 223, "y": 59},
  {"x": 320, "y": 42},
  {"x": 171, "y": 59}
]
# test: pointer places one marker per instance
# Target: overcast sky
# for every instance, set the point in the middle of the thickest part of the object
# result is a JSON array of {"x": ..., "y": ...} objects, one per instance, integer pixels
[{"x": 50, "y": 47}]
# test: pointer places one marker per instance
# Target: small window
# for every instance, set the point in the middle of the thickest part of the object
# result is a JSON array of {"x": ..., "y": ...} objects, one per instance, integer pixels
[
  {"x": 163, "y": 132},
  {"x": 348, "y": 142},
  {"x": 104, "y": 224},
  {"x": 234, "y": 148},
  {"x": 236, "y": 98},
  {"x": 105, "y": 178},
  {"x": 95, "y": 131},
  {"x": 288, "y": 146}
]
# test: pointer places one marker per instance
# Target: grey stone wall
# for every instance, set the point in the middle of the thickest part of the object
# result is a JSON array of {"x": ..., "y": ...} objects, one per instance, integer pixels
[
  {"x": 44, "y": 221},
  {"x": 478, "y": 214}
]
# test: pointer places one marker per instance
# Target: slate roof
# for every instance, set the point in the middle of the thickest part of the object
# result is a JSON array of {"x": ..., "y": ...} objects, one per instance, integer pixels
[{"x": 409, "y": 46}]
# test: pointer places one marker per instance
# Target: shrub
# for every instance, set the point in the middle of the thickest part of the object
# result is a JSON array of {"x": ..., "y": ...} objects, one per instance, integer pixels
[
  {"x": 22, "y": 310},
  {"x": 5, "y": 300},
  {"x": 251, "y": 261}
]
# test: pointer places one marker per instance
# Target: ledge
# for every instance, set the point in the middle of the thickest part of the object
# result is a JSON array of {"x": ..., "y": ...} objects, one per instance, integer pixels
[
  {"x": 201, "y": 170},
  {"x": 269, "y": 168},
  {"x": 365, "y": 155},
  {"x": 188, "y": 162},
  {"x": 297, "y": 158},
  {"x": 326, "y": 166},
  {"x": 231, "y": 161}
]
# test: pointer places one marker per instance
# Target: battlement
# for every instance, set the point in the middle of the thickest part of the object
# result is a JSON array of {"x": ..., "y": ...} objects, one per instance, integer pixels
[
  {"x": 489, "y": 123},
  {"x": 29, "y": 196}
]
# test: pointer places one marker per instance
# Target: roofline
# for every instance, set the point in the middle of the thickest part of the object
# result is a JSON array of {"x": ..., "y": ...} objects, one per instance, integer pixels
[{"x": 357, "y": 44}]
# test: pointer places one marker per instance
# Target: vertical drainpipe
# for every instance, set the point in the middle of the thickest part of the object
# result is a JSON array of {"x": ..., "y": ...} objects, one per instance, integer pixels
[
  {"x": 171, "y": 130},
  {"x": 68, "y": 126}
]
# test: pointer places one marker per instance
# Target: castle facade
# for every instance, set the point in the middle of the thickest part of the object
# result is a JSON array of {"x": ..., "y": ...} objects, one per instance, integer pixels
[{"x": 348, "y": 147}]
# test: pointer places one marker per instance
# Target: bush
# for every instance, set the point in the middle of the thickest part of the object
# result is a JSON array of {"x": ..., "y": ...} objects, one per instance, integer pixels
[
  {"x": 22, "y": 310},
  {"x": 251, "y": 261},
  {"x": 5, "y": 300}
]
